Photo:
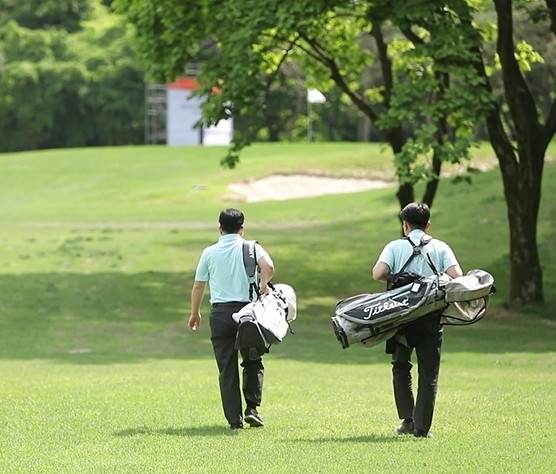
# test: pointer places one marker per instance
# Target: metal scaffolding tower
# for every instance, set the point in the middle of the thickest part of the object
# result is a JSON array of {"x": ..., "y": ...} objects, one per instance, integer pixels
[
  {"x": 155, "y": 114},
  {"x": 156, "y": 107}
]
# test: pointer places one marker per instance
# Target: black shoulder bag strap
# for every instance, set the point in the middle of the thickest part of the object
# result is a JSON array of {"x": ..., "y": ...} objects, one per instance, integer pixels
[
  {"x": 416, "y": 251},
  {"x": 251, "y": 267}
]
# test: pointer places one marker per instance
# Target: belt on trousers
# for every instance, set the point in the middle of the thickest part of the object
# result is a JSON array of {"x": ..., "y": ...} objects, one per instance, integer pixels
[{"x": 229, "y": 303}]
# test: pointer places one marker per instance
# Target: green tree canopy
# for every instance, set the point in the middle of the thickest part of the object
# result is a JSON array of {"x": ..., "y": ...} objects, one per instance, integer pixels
[{"x": 436, "y": 83}]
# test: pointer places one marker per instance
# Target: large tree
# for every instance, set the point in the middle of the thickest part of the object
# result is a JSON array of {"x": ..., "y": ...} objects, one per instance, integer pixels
[
  {"x": 520, "y": 124},
  {"x": 520, "y": 139},
  {"x": 250, "y": 42},
  {"x": 434, "y": 84}
]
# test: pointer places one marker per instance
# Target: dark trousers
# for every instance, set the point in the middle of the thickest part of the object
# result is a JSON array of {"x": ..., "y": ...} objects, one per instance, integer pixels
[
  {"x": 223, "y": 337},
  {"x": 426, "y": 337}
]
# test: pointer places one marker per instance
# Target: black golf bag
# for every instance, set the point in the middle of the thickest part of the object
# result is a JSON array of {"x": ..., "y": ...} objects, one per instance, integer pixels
[{"x": 372, "y": 318}]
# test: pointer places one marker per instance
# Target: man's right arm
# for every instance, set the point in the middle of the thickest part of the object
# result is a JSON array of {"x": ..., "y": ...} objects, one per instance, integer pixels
[
  {"x": 197, "y": 293},
  {"x": 381, "y": 271},
  {"x": 383, "y": 268}
]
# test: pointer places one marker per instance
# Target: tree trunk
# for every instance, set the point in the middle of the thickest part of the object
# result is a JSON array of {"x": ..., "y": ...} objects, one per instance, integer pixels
[
  {"x": 526, "y": 282},
  {"x": 406, "y": 190},
  {"x": 405, "y": 194},
  {"x": 363, "y": 128},
  {"x": 522, "y": 187},
  {"x": 521, "y": 168},
  {"x": 522, "y": 178},
  {"x": 432, "y": 185}
]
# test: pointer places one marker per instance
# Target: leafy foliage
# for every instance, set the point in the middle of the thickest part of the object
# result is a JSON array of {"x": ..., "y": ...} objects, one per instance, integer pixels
[
  {"x": 60, "y": 89},
  {"x": 42, "y": 14},
  {"x": 252, "y": 43},
  {"x": 433, "y": 88}
]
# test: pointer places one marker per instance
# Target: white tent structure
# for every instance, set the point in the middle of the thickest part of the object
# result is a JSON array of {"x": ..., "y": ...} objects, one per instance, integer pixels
[
  {"x": 172, "y": 113},
  {"x": 183, "y": 112}
]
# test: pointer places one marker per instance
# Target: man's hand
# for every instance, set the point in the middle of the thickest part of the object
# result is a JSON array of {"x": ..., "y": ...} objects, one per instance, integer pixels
[
  {"x": 194, "y": 321},
  {"x": 265, "y": 290}
]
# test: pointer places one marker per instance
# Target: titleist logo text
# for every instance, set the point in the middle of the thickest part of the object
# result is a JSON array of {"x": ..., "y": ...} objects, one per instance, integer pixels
[{"x": 384, "y": 306}]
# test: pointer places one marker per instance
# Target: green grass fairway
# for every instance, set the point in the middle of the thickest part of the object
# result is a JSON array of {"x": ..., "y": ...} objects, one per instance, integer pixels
[{"x": 100, "y": 375}]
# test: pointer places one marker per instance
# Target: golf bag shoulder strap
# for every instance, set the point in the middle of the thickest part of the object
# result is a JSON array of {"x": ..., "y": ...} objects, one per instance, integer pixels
[
  {"x": 425, "y": 239},
  {"x": 251, "y": 267},
  {"x": 250, "y": 257}
]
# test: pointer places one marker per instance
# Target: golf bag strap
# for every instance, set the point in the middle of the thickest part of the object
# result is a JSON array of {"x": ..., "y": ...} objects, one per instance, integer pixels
[
  {"x": 433, "y": 268},
  {"x": 251, "y": 267},
  {"x": 283, "y": 299},
  {"x": 417, "y": 251}
]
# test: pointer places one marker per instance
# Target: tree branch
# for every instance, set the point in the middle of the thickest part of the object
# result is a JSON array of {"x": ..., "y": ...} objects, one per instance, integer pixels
[
  {"x": 411, "y": 36},
  {"x": 339, "y": 79},
  {"x": 551, "y": 5},
  {"x": 518, "y": 96},
  {"x": 503, "y": 147},
  {"x": 385, "y": 63}
]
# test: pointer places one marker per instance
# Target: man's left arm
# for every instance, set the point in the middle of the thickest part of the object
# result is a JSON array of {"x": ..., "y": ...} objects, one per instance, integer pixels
[
  {"x": 267, "y": 272},
  {"x": 454, "y": 271},
  {"x": 451, "y": 264}
]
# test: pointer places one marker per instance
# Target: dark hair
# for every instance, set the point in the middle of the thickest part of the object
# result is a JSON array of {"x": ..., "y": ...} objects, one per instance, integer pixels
[
  {"x": 231, "y": 220},
  {"x": 416, "y": 214}
]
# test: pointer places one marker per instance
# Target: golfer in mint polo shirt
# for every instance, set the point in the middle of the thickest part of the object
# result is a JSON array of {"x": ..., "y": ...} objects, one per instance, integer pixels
[
  {"x": 423, "y": 335},
  {"x": 221, "y": 266}
]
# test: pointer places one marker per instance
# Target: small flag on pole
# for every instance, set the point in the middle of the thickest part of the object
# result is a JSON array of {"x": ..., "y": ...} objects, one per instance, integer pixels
[{"x": 314, "y": 96}]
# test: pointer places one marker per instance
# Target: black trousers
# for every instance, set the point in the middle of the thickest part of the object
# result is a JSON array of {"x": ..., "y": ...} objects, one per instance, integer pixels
[
  {"x": 426, "y": 338},
  {"x": 223, "y": 337}
]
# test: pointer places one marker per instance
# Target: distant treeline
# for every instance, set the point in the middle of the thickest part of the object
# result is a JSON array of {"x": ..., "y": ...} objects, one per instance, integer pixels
[{"x": 69, "y": 76}]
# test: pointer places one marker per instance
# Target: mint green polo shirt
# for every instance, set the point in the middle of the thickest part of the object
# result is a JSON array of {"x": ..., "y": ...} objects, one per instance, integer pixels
[
  {"x": 221, "y": 265},
  {"x": 396, "y": 253}
]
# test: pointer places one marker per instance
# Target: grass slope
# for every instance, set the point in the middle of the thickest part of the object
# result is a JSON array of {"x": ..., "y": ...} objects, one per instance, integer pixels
[{"x": 100, "y": 374}]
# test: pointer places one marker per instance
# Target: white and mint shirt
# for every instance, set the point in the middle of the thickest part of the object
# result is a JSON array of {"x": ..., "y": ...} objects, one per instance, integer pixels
[
  {"x": 396, "y": 253},
  {"x": 221, "y": 265}
]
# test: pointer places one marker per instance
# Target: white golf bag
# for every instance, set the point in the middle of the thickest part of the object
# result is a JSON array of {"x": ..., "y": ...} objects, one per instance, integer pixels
[{"x": 266, "y": 321}]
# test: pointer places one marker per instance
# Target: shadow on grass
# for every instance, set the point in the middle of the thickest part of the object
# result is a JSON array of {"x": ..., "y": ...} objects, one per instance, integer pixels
[
  {"x": 215, "y": 430},
  {"x": 210, "y": 430},
  {"x": 107, "y": 318},
  {"x": 355, "y": 439}
]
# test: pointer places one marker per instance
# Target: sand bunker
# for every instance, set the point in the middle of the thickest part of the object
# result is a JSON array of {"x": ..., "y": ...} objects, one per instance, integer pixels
[{"x": 283, "y": 187}]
